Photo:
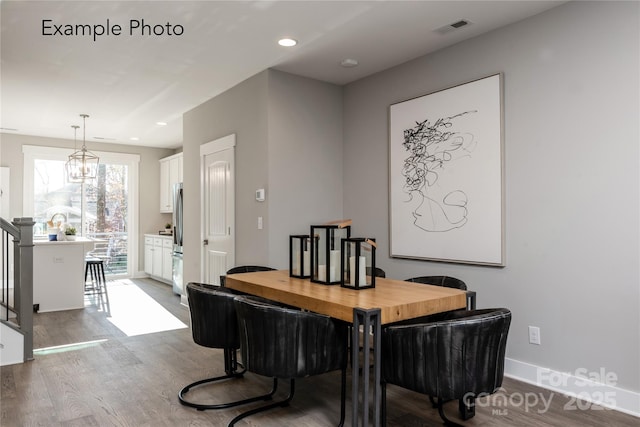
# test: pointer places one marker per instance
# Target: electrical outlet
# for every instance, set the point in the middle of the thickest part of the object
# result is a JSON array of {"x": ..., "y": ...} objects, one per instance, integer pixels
[{"x": 534, "y": 335}]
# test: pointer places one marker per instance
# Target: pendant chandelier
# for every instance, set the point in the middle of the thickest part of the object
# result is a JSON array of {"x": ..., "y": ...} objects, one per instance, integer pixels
[{"x": 82, "y": 164}]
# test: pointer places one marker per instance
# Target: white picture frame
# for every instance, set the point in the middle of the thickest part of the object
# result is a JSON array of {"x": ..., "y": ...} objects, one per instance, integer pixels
[{"x": 446, "y": 200}]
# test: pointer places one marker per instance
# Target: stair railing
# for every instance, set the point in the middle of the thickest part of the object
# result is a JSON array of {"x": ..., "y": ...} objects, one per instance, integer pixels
[{"x": 17, "y": 291}]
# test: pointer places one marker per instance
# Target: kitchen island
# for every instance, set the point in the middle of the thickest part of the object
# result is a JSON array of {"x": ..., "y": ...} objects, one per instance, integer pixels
[{"x": 58, "y": 273}]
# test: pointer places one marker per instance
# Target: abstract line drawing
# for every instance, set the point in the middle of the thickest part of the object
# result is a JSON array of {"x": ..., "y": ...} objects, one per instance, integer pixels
[
  {"x": 446, "y": 191},
  {"x": 431, "y": 146}
]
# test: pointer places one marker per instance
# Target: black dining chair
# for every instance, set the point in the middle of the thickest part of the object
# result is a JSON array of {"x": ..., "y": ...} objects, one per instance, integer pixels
[
  {"x": 458, "y": 355},
  {"x": 244, "y": 269},
  {"x": 447, "y": 282},
  {"x": 287, "y": 343},
  {"x": 378, "y": 272},
  {"x": 214, "y": 324}
]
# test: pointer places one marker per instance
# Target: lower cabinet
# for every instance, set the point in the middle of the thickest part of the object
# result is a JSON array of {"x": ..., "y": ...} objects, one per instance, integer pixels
[
  {"x": 167, "y": 259},
  {"x": 158, "y": 262}
]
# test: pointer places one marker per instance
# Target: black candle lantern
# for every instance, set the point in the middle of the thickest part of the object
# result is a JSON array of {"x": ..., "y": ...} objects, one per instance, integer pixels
[
  {"x": 358, "y": 263},
  {"x": 299, "y": 256},
  {"x": 325, "y": 251}
]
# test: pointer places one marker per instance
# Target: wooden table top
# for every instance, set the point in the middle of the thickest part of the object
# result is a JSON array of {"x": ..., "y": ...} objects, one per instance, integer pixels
[{"x": 396, "y": 299}]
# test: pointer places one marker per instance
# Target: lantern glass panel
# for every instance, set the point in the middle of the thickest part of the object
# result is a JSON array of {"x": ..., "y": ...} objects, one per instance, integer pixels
[
  {"x": 299, "y": 256},
  {"x": 358, "y": 263},
  {"x": 325, "y": 253}
]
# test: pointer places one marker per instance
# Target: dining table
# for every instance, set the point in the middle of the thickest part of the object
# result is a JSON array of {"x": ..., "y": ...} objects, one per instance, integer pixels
[{"x": 365, "y": 309}]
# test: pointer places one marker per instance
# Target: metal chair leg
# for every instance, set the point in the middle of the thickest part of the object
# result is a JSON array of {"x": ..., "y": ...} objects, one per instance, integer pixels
[
  {"x": 231, "y": 366},
  {"x": 343, "y": 395},
  {"x": 467, "y": 408},
  {"x": 281, "y": 403},
  {"x": 447, "y": 421},
  {"x": 383, "y": 408},
  {"x": 434, "y": 404}
]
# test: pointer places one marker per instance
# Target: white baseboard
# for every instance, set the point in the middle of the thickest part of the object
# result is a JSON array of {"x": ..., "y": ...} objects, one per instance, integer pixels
[
  {"x": 184, "y": 301},
  {"x": 140, "y": 275},
  {"x": 597, "y": 388}
]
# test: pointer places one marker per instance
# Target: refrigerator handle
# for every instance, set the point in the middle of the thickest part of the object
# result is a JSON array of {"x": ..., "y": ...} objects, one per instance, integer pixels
[{"x": 178, "y": 224}]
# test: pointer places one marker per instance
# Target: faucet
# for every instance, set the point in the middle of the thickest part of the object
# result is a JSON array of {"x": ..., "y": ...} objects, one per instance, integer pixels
[{"x": 58, "y": 214}]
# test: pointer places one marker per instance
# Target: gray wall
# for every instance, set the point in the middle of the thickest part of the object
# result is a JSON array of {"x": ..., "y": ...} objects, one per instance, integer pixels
[
  {"x": 571, "y": 161},
  {"x": 240, "y": 110},
  {"x": 305, "y": 158},
  {"x": 149, "y": 176},
  {"x": 289, "y": 142}
]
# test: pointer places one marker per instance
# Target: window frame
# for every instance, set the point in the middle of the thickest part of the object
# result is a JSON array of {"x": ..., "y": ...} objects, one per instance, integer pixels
[{"x": 132, "y": 161}]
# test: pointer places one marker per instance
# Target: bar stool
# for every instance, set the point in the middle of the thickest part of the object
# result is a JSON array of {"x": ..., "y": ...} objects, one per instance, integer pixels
[{"x": 95, "y": 268}]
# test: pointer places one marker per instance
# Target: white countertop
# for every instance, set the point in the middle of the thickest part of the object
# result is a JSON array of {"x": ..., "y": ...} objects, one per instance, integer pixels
[{"x": 78, "y": 240}]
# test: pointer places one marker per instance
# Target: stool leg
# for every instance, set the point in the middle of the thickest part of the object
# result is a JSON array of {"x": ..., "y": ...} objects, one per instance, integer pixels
[
  {"x": 101, "y": 278},
  {"x": 86, "y": 271},
  {"x": 96, "y": 278},
  {"x": 93, "y": 275},
  {"x": 104, "y": 279}
]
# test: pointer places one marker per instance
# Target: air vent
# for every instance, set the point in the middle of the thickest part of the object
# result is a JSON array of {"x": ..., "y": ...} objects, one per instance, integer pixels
[{"x": 454, "y": 26}]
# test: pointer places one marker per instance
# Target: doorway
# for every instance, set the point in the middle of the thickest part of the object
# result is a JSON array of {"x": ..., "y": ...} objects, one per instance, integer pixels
[{"x": 218, "y": 208}]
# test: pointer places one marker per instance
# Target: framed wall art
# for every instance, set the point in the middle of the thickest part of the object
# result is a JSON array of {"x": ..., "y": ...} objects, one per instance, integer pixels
[{"x": 446, "y": 175}]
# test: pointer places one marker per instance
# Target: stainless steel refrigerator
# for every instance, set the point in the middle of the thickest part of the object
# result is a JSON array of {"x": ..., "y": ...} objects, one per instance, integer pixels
[{"x": 177, "y": 238}]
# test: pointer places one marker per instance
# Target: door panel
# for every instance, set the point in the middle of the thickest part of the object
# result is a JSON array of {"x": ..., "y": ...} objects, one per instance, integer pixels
[
  {"x": 218, "y": 213},
  {"x": 218, "y": 175},
  {"x": 217, "y": 262}
]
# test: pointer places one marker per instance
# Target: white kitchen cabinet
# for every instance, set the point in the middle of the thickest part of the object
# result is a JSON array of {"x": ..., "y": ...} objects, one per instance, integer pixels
[
  {"x": 170, "y": 174},
  {"x": 148, "y": 255},
  {"x": 167, "y": 259},
  {"x": 158, "y": 261},
  {"x": 156, "y": 269}
]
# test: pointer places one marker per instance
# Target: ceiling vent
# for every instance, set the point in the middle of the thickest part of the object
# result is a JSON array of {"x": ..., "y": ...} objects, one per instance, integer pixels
[{"x": 454, "y": 26}]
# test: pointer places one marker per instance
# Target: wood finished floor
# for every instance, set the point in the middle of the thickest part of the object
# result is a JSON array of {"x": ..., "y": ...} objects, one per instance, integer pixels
[{"x": 118, "y": 380}]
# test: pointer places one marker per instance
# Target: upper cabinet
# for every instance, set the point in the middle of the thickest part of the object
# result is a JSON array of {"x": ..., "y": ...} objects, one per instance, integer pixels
[{"x": 170, "y": 173}]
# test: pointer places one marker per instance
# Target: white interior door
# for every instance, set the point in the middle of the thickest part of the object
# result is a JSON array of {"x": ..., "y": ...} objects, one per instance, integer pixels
[{"x": 218, "y": 209}]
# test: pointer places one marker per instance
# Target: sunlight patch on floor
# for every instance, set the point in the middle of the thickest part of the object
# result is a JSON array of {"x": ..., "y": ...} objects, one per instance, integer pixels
[
  {"x": 67, "y": 347},
  {"x": 136, "y": 313}
]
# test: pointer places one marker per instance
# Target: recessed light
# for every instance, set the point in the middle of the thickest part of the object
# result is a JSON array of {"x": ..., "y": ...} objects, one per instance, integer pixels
[
  {"x": 161, "y": 123},
  {"x": 286, "y": 42},
  {"x": 134, "y": 138},
  {"x": 349, "y": 62}
]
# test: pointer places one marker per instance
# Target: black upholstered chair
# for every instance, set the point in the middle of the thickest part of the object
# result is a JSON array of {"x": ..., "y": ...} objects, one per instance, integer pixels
[
  {"x": 459, "y": 355},
  {"x": 286, "y": 343},
  {"x": 244, "y": 269},
  {"x": 378, "y": 272},
  {"x": 214, "y": 324},
  {"x": 447, "y": 282}
]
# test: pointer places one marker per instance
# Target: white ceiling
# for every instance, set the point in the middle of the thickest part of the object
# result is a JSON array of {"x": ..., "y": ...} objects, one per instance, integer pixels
[{"x": 128, "y": 83}]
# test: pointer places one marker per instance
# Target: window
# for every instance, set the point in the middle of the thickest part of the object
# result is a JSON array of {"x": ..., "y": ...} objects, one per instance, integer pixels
[{"x": 101, "y": 208}]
